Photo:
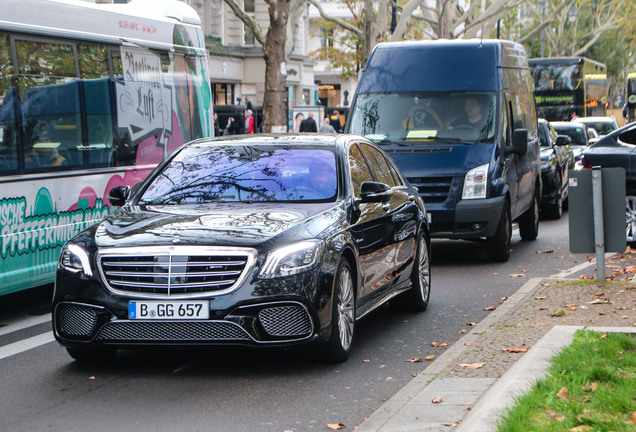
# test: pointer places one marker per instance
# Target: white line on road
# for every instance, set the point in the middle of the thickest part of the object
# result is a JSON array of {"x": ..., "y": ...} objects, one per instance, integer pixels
[
  {"x": 26, "y": 344},
  {"x": 28, "y": 322}
]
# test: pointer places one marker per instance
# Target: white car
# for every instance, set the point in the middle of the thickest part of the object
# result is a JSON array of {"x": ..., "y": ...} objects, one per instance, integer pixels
[{"x": 602, "y": 125}]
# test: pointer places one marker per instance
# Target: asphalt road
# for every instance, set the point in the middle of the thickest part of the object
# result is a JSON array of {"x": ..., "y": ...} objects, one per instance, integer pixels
[{"x": 42, "y": 389}]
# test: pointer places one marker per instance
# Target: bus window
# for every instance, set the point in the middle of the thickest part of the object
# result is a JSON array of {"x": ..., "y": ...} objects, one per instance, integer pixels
[{"x": 93, "y": 61}]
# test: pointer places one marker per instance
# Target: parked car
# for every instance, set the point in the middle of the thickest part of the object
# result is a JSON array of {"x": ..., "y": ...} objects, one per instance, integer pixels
[
  {"x": 577, "y": 133},
  {"x": 556, "y": 155},
  {"x": 247, "y": 240},
  {"x": 459, "y": 131},
  {"x": 602, "y": 125},
  {"x": 618, "y": 149}
]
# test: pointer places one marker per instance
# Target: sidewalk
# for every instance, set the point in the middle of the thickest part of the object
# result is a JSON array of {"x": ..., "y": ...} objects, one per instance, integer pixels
[{"x": 478, "y": 377}]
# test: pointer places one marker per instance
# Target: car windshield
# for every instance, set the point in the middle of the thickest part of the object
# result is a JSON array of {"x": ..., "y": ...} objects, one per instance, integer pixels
[
  {"x": 202, "y": 173},
  {"x": 462, "y": 117},
  {"x": 576, "y": 133},
  {"x": 602, "y": 127}
]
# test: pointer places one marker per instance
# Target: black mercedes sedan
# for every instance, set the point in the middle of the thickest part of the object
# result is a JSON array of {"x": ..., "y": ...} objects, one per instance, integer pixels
[
  {"x": 262, "y": 240},
  {"x": 556, "y": 159}
]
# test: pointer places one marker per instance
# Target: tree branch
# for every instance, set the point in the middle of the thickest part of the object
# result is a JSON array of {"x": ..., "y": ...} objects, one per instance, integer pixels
[
  {"x": 247, "y": 20},
  {"x": 336, "y": 20}
]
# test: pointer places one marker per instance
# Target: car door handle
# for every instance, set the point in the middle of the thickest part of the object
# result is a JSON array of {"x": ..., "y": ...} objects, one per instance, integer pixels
[
  {"x": 411, "y": 198},
  {"x": 386, "y": 207}
]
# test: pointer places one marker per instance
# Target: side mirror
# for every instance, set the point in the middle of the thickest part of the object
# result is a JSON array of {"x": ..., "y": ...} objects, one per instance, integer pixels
[
  {"x": 519, "y": 143},
  {"x": 375, "y": 192},
  {"x": 563, "y": 140},
  {"x": 118, "y": 195}
]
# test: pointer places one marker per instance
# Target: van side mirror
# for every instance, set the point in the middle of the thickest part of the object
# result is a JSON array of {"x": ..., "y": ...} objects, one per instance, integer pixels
[
  {"x": 519, "y": 143},
  {"x": 118, "y": 195},
  {"x": 563, "y": 140},
  {"x": 375, "y": 192}
]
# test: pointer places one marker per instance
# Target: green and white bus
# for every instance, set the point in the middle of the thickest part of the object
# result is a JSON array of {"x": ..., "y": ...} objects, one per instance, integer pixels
[{"x": 92, "y": 96}]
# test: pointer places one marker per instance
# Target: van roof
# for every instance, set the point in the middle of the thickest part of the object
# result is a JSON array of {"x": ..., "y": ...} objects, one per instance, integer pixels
[{"x": 445, "y": 65}]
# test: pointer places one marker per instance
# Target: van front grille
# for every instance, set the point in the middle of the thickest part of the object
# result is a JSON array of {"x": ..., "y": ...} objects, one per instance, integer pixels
[{"x": 432, "y": 189}]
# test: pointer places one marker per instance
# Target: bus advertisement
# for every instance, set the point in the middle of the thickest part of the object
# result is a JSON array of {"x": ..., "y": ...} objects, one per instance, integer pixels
[
  {"x": 568, "y": 87},
  {"x": 92, "y": 96}
]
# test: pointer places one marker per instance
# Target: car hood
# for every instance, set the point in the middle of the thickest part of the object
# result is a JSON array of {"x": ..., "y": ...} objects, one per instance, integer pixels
[
  {"x": 441, "y": 160},
  {"x": 217, "y": 224}
]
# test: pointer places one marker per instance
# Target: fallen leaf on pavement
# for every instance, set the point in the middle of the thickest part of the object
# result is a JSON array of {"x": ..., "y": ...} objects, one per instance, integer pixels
[
  {"x": 429, "y": 358},
  {"x": 462, "y": 331},
  {"x": 472, "y": 365},
  {"x": 558, "y": 313},
  {"x": 517, "y": 275},
  {"x": 471, "y": 324},
  {"x": 335, "y": 426},
  {"x": 438, "y": 399},
  {"x": 547, "y": 251},
  {"x": 571, "y": 308},
  {"x": 91, "y": 378},
  {"x": 563, "y": 393},
  {"x": 517, "y": 350},
  {"x": 540, "y": 298},
  {"x": 490, "y": 308},
  {"x": 415, "y": 360},
  {"x": 600, "y": 301},
  {"x": 366, "y": 361},
  {"x": 438, "y": 344}
]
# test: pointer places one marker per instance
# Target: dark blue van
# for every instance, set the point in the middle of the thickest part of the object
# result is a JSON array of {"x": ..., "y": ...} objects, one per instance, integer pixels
[{"x": 458, "y": 117}]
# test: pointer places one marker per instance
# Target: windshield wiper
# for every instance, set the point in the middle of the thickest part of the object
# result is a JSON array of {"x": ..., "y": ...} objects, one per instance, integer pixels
[{"x": 387, "y": 141}]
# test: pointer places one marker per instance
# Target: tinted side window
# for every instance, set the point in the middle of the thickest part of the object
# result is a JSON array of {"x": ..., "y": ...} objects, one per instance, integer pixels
[
  {"x": 359, "y": 169},
  {"x": 379, "y": 166},
  {"x": 628, "y": 137}
]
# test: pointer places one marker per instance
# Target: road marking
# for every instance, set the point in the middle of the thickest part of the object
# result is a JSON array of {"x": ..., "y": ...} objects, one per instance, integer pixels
[
  {"x": 26, "y": 344},
  {"x": 19, "y": 325}
]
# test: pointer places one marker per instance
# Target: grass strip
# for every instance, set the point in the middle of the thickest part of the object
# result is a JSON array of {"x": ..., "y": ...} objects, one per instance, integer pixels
[{"x": 590, "y": 386}]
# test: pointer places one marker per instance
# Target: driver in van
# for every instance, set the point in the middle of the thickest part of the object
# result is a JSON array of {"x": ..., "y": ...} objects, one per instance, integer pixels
[{"x": 473, "y": 113}]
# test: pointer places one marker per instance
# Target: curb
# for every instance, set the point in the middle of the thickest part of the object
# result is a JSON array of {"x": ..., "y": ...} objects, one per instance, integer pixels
[
  {"x": 389, "y": 412},
  {"x": 522, "y": 375}
]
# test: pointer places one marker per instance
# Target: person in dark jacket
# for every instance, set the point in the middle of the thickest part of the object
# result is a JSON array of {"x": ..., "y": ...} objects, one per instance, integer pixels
[
  {"x": 309, "y": 124},
  {"x": 334, "y": 121}
]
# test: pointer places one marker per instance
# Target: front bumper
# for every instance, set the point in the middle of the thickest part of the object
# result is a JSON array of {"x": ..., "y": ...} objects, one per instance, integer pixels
[{"x": 470, "y": 219}]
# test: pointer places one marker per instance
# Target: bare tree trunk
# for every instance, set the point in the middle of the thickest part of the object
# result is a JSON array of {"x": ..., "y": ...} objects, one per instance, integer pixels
[{"x": 275, "y": 68}]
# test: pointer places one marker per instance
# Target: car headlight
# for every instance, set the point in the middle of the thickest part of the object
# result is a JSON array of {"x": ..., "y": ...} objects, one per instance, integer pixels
[
  {"x": 475, "y": 183},
  {"x": 75, "y": 260},
  {"x": 292, "y": 259}
]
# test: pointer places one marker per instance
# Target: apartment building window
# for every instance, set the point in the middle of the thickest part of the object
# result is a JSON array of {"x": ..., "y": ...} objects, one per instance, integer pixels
[
  {"x": 250, "y": 9},
  {"x": 223, "y": 94}
]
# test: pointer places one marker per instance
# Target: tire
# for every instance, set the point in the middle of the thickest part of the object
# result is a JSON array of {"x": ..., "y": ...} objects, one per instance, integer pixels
[
  {"x": 555, "y": 210},
  {"x": 630, "y": 218},
  {"x": 529, "y": 221},
  {"x": 498, "y": 246},
  {"x": 416, "y": 299},
  {"x": 92, "y": 355},
  {"x": 343, "y": 319}
]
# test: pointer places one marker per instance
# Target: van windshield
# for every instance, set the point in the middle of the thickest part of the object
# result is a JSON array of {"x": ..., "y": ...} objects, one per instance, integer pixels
[{"x": 465, "y": 117}]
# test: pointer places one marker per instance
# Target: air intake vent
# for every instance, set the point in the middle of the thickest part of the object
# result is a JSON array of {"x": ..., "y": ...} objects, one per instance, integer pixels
[
  {"x": 75, "y": 321},
  {"x": 290, "y": 320}
]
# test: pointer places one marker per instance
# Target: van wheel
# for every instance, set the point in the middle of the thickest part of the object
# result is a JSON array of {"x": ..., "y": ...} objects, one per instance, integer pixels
[
  {"x": 498, "y": 246},
  {"x": 529, "y": 221}
]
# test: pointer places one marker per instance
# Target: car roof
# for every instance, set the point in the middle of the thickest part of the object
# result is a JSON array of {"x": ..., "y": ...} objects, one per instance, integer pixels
[
  {"x": 594, "y": 119},
  {"x": 570, "y": 124},
  {"x": 283, "y": 139}
]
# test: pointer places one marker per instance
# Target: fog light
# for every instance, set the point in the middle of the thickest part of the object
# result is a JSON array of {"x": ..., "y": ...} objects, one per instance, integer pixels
[{"x": 478, "y": 226}]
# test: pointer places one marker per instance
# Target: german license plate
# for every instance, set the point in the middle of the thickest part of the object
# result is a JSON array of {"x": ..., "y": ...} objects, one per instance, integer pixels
[{"x": 168, "y": 310}]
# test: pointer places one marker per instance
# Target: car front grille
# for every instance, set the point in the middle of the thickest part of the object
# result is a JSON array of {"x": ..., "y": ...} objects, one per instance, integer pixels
[
  {"x": 175, "y": 271},
  {"x": 432, "y": 189},
  {"x": 292, "y": 320},
  {"x": 189, "y": 331}
]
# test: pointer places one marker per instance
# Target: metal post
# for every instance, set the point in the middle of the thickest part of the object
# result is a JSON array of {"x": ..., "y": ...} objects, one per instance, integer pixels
[{"x": 599, "y": 236}]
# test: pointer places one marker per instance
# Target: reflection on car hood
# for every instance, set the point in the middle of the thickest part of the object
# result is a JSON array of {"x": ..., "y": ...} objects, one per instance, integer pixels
[{"x": 217, "y": 224}]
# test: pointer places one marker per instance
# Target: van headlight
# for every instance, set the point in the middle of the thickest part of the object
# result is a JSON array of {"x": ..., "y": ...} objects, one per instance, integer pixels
[
  {"x": 74, "y": 259},
  {"x": 293, "y": 259},
  {"x": 475, "y": 183}
]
